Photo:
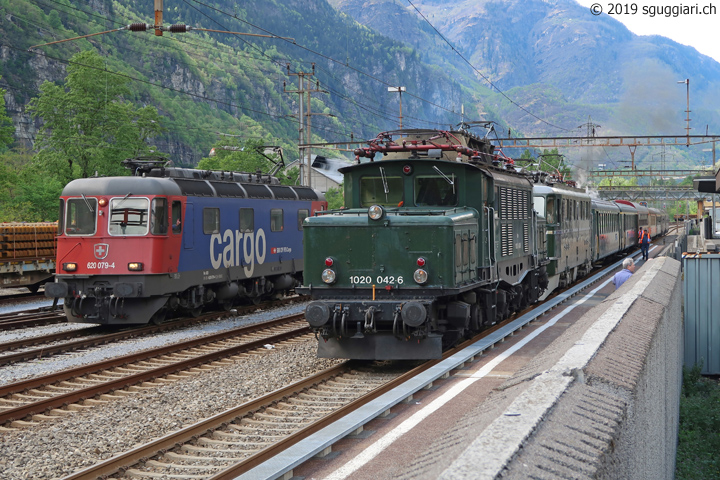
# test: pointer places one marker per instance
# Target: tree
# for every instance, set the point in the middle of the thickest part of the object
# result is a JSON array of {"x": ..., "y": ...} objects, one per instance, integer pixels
[
  {"x": 6, "y": 125},
  {"x": 235, "y": 155},
  {"x": 335, "y": 197},
  {"x": 88, "y": 126}
]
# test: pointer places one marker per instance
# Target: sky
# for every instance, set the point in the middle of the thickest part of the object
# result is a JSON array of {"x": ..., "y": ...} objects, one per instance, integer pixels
[{"x": 676, "y": 20}]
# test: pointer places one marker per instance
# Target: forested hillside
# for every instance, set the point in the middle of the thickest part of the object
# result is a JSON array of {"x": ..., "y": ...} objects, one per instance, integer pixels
[{"x": 535, "y": 68}]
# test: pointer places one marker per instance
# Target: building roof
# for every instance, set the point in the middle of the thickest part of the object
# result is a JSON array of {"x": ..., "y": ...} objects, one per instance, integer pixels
[{"x": 327, "y": 167}]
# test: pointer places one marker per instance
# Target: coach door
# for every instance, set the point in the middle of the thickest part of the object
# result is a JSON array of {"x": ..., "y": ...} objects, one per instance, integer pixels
[{"x": 189, "y": 227}]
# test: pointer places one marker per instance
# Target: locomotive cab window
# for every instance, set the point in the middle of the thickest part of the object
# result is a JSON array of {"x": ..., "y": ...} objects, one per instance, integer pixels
[
  {"x": 381, "y": 190},
  {"x": 176, "y": 214},
  {"x": 435, "y": 191},
  {"x": 276, "y": 220},
  {"x": 80, "y": 219},
  {"x": 302, "y": 215},
  {"x": 211, "y": 220},
  {"x": 247, "y": 220},
  {"x": 129, "y": 216},
  {"x": 159, "y": 216}
]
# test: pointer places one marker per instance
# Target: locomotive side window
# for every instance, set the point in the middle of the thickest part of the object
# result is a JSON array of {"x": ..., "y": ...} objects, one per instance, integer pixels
[
  {"x": 80, "y": 219},
  {"x": 435, "y": 191},
  {"x": 276, "y": 220},
  {"x": 381, "y": 190},
  {"x": 159, "y": 215},
  {"x": 129, "y": 216},
  {"x": 211, "y": 220},
  {"x": 247, "y": 220},
  {"x": 176, "y": 214},
  {"x": 302, "y": 215}
]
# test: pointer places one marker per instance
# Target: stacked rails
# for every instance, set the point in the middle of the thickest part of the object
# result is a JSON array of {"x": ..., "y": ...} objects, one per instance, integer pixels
[{"x": 27, "y": 240}]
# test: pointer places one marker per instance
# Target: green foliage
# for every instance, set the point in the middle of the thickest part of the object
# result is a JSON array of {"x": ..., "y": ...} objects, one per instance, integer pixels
[
  {"x": 699, "y": 433},
  {"x": 335, "y": 197},
  {"x": 290, "y": 177},
  {"x": 236, "y": 155},
  {"x": 87, "y": 126}
]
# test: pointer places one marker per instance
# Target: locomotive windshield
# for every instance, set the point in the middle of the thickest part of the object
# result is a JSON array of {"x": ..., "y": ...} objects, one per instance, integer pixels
[
  {"x": 381, "y": 190},
  {"x": 434, "y": 191},
  {"x": 80, "y": 219},
  {"x": 129, "y": 216}
]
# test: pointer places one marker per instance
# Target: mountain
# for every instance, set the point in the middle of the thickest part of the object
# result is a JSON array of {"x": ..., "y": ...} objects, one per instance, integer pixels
[{"x": 537, "y": 68}]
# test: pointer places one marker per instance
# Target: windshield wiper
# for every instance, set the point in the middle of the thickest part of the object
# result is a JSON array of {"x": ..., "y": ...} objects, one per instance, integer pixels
[
  {"x": 447, "y": 179},
  {"x": 123, "y": 199},
  {"x": 384, "y": 181},
  {"x": 92, "y": 210}
]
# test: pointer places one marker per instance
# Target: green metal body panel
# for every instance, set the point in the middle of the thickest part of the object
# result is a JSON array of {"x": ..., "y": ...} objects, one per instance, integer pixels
[{"x": 384, "y": 252}]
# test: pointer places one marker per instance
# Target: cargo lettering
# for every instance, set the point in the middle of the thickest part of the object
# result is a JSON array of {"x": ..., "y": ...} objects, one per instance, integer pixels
[{"x": 234, "y": 249}]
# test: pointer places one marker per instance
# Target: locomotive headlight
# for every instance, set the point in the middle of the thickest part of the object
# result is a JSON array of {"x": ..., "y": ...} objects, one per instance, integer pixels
[
  {"x": 375, "y": 212},
  {"x": 70, "y": 267},
  {"x": 328, "y": 276},
  {"x": 135, "y": 266},
  {"x": 420, "y": 276}
]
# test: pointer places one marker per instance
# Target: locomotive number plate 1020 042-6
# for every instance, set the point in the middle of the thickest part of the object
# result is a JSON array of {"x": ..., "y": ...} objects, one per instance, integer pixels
[{"x": 379, "y": 280}]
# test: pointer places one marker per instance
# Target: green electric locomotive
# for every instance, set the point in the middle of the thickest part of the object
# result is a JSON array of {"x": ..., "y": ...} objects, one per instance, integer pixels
[{"x": 437, "y": 241}]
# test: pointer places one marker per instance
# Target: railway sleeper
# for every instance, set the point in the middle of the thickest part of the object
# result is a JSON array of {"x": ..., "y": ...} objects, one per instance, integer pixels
[
  {"x": 135, "y": 473},
  {"x": 209, "y": 442},
  {"x": 175, "y": 466},
  {"x": 243, "y": 437},
  {"x": 179, "y": 458},
  {"x": 215, "y": 451}
]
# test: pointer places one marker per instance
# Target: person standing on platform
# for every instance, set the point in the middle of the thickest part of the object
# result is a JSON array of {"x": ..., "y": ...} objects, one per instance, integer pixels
[
  {"x": 645, "y": 243},
  {"x": 625, "y": 273}
]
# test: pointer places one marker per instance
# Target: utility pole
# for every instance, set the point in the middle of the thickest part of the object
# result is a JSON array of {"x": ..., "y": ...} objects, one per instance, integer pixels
[
  {"x": 687, "y": 111},
  {"x": 398, "y": 90},
  {"x": 158, "y": 18},
  {"x": 305, "y": 87}
]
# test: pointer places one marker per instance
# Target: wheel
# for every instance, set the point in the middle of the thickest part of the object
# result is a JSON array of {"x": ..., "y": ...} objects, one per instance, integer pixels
[
  {"x": 158, "y": 317},
  {"x": 195, "y": 312}
]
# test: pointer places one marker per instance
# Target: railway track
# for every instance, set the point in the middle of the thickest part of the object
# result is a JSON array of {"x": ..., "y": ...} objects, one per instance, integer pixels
[
  {"x": 234, "y": 441},
  {"x": 31, "y": 318},
  {"x": 82, "y": 387},
  {"x": 98, "y": 335}
]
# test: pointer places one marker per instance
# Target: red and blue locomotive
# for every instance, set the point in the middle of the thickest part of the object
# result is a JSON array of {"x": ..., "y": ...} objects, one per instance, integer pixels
[{"x": 133, "y": 249}]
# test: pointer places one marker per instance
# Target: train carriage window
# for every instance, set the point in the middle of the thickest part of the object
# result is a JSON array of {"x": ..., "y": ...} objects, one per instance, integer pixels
[
  {"x": 302, "y": 215},
  {"x": 211, "y": 221},
  {"x": 80, "y": 218},
  {"x": 539, "y": 205},
  {"x": 435, "y": 191},
  {"x": 247, "y": 220},
  {"x": 159, "y": 216},
  {"x": 381, "y": 190},
  {"x": 176, "y": 214},
  {"x": 550, "y": 210},
  {"x": 129, "y": 216},
  {"x": 276, "y": 220}
]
